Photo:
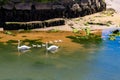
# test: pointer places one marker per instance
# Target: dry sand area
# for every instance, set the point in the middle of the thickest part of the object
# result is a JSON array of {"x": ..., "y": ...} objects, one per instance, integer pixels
[{"x": 105, "y": 17}]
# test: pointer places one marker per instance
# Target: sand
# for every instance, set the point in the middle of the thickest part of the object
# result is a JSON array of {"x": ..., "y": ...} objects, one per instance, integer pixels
[
  {"x": 115, "y": 4},
  {"x": 44, "y": 37},
  {"x": 100, "y": 17},
  {"x": 66, "y": 30},
  {"x": 79, "y": 23}
]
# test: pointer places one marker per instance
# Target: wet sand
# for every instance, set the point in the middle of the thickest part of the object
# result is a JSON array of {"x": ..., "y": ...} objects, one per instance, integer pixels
[
  {"x": 43, "y": 36},
  {"x": 66, "y": 30}
]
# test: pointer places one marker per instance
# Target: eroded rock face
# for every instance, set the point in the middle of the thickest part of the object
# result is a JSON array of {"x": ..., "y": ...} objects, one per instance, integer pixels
[{"x": 27, "y": 11}]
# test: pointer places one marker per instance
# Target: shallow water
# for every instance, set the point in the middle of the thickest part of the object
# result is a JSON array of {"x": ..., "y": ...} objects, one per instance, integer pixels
[{"x": 91, "y": 62}]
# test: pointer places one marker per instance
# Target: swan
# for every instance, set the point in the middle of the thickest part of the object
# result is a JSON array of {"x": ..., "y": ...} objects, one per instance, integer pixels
[
  {"x": 23, "y": 47},
  {"x": 43, "y": 45},
  {"x": 55, "y": 41},
  {"x": 60, "y": 41},
  {"x": 36, "y": 46},
  {"x": 52, "y": 48},
  {"x": 39, "y": 46},
  {"x": 33, "y": 45}
]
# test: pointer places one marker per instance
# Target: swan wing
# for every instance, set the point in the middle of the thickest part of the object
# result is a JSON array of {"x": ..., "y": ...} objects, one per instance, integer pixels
[
  {"x": 52, "y": 48},
  {"x": 24, "y": 47}
]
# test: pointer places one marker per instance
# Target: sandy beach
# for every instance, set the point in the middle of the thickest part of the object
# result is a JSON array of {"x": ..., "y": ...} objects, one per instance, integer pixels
[
  {"x": 104, "y": 17},
  {"x": 100, "y": 17},
  {"x": 80, "y": 23},
  {"x": 100, "y": 20},
  {"x": 115, "y": 4}
]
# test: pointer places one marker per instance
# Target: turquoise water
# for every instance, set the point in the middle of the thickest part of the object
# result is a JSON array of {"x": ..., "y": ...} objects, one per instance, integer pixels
[{"x": 91, "y": 62}]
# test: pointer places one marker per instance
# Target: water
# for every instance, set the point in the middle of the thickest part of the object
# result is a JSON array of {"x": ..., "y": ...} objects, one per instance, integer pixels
[{"x": 91, "y": 62}]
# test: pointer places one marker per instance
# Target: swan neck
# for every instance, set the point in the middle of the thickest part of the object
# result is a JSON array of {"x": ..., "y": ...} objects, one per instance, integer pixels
[
  {"x": 18, "y": 44},
  {"x": 46, "y": 45}
]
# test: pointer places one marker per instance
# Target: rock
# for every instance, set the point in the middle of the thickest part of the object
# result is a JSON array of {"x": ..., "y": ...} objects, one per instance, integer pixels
[{"x": 16, "y": 11}]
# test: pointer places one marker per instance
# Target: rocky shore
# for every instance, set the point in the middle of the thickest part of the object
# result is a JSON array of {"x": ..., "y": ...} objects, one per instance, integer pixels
[
  {"x": 13, "y": 11},
  {"x": 101, "y": 20}
]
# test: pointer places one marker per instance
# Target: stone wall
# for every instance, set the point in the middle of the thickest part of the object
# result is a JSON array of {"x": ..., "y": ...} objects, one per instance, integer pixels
[
  {"x": 24, "y": 12},
  {"x": 33, "y": 24}
]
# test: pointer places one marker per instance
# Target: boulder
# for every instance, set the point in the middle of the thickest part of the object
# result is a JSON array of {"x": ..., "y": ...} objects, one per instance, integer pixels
[
  {"x": 8, "y": 6},
  {"x": 29, "y": 10},
  {"x": 42, "y": 6},
  {"x": 23, "y": 6}
]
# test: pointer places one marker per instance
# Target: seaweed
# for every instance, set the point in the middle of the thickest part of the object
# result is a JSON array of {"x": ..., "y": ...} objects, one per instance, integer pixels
[
  {"x": 12, "y": 41},
  {"x": 86, "y": 39},
  {"x": 36, "y": 41},
  {"x": 9, "y": 33},
  {"x": 109, "y": 12},
  {"x": 114, "y": 34},
  {"x": 53, "y": 30},
  {"x": 108, "y": 23},
  {"x": 75, "y": 30},
  {"x": 1, "y": 37}
]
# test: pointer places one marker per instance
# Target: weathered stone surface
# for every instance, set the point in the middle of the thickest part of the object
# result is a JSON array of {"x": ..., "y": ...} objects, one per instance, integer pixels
[
  {"x": 15, "y": 1},
  {"x": 8, "y": 6},
  {"x": 23, "y": 12},
  {"x": 23, "y": 6},
  {"x": 33, "y": 24}
]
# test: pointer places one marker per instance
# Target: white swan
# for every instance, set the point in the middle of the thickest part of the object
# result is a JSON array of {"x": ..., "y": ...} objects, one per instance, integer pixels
[
  {"x": 39, "y": 46},
  {"x": 60, "y": 41},
  {"x": 36, "y": 46},
  {"x": 23, "y": 47},
  {"x": 55, "y": 41},
  {"x": 43, "y": 45},
  {"x": 52, "y": 48}
]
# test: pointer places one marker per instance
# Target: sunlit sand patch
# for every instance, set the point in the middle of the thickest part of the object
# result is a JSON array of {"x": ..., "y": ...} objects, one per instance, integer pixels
[{"x": 66, "y": 43}]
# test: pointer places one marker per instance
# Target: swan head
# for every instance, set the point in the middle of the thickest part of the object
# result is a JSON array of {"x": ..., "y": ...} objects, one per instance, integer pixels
[
  {"x": 18, "y": 40},
  {"x": 46, "y": 43}
]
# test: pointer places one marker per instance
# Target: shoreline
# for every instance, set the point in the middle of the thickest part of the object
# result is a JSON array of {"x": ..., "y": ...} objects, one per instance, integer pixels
[
  {"x": 111, "y": 16},
  {"x": 79, "y": 25},
  {"x": 100, "y": 21}
]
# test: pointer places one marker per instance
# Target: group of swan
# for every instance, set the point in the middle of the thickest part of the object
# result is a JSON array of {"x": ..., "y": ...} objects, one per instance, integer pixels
[
  {"x": 36, "y": 46},
  {"x": 43, "y": 45},
  {"x": 52, "y": 48}
]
